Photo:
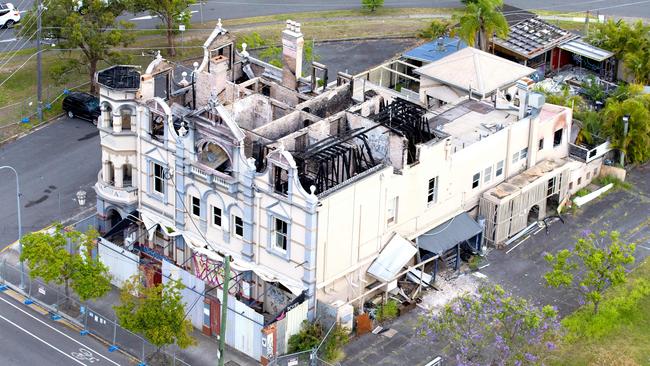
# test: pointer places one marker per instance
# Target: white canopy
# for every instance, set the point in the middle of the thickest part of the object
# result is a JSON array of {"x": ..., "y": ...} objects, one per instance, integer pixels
[{"x": 395, "y": 255}]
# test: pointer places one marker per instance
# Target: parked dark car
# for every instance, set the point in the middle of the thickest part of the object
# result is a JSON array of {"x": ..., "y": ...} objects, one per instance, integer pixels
[{"x": 82, "y": 105}]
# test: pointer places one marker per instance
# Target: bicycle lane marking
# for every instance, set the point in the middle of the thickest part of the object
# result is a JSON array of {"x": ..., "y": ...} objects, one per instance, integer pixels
[
  {"x": 43, "y": 341},
  {"x": 61, "y": 333}
]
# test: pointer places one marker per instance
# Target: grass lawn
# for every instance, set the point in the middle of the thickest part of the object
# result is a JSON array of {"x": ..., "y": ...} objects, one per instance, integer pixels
[{"x": 619, "y": 334}]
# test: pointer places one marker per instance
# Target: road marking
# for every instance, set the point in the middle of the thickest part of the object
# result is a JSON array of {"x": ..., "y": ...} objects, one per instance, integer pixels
[
  {"x": 42, "y": 340},
  {"x": 149, "y": 17},
  {"x": 58, "y": 331},
  {"x": 7, "y": 40}
]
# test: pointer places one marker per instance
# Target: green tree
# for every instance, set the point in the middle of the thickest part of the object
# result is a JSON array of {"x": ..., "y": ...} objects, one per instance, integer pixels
[
  {"x": 372, "y": 5},
  {"x": 171, "y": 13},
  {"x": 156, "y": 312},
  {"x": 480, "y": 20},
  {"x": 51, "y": 258},
  {"x": 636, "y": 144},
  {"x": 435, "y": 29},
  {"x": 493, "y": 328},
  {"x": 630, "y": 43},
  {"x": 638, "y": 65},
  {"x": 592, "y": 266},
  {"x": 92, "y": 28}
]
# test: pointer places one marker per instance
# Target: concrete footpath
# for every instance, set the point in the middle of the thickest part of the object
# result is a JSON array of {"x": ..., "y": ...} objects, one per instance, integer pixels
[{"x": 102, "y": 316}]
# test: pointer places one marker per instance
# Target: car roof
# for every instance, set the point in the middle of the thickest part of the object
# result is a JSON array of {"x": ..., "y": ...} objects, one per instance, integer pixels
[{"x": 81, "y": 96}]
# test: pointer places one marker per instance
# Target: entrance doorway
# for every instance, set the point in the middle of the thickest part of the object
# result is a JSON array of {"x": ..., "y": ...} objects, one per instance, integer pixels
[{"x": 533, "y": 214}]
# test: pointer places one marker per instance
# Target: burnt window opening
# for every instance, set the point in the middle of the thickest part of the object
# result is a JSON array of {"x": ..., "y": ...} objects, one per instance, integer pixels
[
  {"x": 302, "y": 142},
  {"x": 266, "y": 90},
  {"x": 259, "y": 153},
  {"x": 557, "y": 137},
  {"x": 408, "y": 120},
  {"x": 157, "y": 126},
  {"x": 280, "y": 180},
  {"x": 215, "y": 157},
  {"x": 161, "y": 85}
]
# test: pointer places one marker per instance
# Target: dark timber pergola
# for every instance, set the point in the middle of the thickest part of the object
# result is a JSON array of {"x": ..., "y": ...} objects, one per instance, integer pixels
[
  {"x": 335, "y": 159},
  {"x": 407, "y": 119}
]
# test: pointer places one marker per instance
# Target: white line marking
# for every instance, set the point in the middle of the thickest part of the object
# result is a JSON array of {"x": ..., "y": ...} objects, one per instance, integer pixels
[
  {"x": 58, "y": 331},
  {"x": 7, "y": 40},
  {"x": 43, "y": 341}
]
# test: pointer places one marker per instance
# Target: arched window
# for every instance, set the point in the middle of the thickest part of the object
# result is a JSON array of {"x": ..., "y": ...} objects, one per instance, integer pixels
[
  {"x": 109, "y": 173},
  {"x": 126, "y": 114},
  {"x": 127, "y": 176},
  {"x": 107, "y": 115},
  {"x": 215, "y": 157}
]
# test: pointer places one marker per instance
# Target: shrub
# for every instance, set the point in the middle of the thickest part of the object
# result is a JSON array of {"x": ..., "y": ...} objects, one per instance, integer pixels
[
  {"x": 387, "y": 311},
  {"x": 603, "y": 181},
  {"x": 582, "y": 192},
  {"x": 308, "y": 338},
  {"x": 311, "y": 335},
  {"x": 474, "y": 262}
]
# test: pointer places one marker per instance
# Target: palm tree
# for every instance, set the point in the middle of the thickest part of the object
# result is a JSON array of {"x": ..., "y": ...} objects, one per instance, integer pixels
[
  {"x": 638, "y": 64},
  {"x": 636, "y": 144},
  {"x": 480, "y": 21}
]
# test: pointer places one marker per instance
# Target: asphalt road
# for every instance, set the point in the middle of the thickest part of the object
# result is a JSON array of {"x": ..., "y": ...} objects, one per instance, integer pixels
[
  {"x": 230, "y": 9},
  {"x": 29, "y": 338},
  {"x": 53, "y": 163}
]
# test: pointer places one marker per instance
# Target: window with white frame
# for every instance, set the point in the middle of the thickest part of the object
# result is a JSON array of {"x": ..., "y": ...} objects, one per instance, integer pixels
[
  {"x": 487, "y": 174},
  {"x": 216, "y": 216},
  {"x": 158, "y": 178},
  {"x": 196, "y": 206},
  {"x": 476, "y": 179},
  {"x": 515, "y": 157},
  {"x": 280, "y": 234},
  {"x": 432, "y": 191},
  {"x": 238, "y": 226},
  {"x": 523, "y": 153},
  {"x": 499, "y": 169},
  {"x": 391, "y": 216}
]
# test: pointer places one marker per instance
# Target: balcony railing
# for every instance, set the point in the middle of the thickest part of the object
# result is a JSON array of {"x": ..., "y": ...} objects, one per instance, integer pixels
[
  {"x": 212, "y": 176},
  {"x": 107, "y": 191}
]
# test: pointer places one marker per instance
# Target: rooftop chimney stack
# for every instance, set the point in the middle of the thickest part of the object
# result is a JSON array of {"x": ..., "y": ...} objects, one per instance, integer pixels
[
  {"x": 292, "y": 47},
  {"x": 521, "y": 99}
]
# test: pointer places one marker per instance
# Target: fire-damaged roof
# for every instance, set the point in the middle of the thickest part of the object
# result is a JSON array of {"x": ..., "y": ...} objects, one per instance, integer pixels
[{"x": 532, "y": 37}]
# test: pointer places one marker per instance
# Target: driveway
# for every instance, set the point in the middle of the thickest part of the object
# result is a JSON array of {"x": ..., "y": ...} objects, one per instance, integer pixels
[
  {"x": 53, "y": 163},
  {"x": 520, "y": 271}
]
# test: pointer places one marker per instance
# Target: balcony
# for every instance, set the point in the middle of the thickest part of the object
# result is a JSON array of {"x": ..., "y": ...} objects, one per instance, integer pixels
[
  {"x": 212, "y": 176},
  {"x": 126, "y": 195}
]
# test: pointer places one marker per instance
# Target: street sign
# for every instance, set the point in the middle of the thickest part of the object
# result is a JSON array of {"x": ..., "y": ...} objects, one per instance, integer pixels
[{"x": 181, "y": 27}]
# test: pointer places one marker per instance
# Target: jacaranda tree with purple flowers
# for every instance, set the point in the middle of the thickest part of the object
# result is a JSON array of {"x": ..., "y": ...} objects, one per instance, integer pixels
[
  {"x": 493, "y": 327},
  {"x": 597, "y": 262}
]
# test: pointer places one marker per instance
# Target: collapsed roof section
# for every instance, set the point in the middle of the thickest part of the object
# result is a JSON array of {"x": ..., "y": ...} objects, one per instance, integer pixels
[{"x": 532, "y": 37}]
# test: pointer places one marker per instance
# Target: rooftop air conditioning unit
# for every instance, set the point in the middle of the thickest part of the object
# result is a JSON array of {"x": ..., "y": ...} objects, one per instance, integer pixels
[{"x": 536, "y": 100}]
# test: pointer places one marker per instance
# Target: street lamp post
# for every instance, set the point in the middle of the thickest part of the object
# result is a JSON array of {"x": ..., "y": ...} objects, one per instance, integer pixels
[
  {"x": 20, "y": 225},
  {"x": 626, "y": 124}
]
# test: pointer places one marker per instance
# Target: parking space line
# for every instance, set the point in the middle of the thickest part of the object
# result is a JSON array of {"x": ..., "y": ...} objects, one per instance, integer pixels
[
  {"x": 42, "y": 340},
  {"x": 58, "y": 331}
]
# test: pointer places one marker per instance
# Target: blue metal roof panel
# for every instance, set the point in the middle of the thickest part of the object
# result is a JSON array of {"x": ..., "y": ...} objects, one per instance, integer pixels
[{"x": 431, "y": 51}]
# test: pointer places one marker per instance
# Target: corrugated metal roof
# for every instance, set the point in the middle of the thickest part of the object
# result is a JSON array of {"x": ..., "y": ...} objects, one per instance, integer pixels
[
  {"x": 446, "y": 235},
  {"x": 579, "y": 47},
  {"x": 532, "y": 37},
  {"x": 392, "y": 259},
  {"x": 435, "y": 50}
]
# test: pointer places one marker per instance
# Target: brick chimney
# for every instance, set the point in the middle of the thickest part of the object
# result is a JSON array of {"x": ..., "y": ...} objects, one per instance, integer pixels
[{"x": 292, "y": 47}]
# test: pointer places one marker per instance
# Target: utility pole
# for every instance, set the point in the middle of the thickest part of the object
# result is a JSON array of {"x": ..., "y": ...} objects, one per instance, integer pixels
[
  {"x": 626, "y": 124},
  {"x": 224, "y": 308},
  {"x": 39, "y": 76}
]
